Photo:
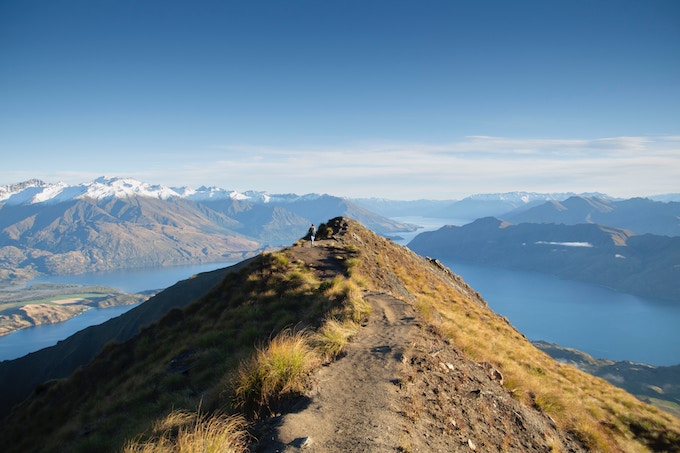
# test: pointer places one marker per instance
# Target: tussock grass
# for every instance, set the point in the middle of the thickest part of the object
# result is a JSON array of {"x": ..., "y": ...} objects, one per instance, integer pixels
[
  {"x": 278, "y": 370},
  {"x": 332, "y": 337},
  {"x": 187, "y": 432},
  {"x": 357, "y": 308}
]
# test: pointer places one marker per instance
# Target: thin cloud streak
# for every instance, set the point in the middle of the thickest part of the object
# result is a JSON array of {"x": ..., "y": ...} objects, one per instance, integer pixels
[
  {"x": 618, "y": 166},
  {"x": 621, "y": 166}
]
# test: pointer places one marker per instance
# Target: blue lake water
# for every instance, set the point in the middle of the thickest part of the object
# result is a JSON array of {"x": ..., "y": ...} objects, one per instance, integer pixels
[
  {"x": 599, "y": 321},
  {"x": 135, "y": 280},
  {"x": 18, "y": 344},
  {"x": 24, "y": 341}
]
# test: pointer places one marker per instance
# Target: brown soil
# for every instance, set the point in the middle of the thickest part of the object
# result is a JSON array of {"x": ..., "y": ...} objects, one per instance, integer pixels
[{"x": 402, "y": 387}]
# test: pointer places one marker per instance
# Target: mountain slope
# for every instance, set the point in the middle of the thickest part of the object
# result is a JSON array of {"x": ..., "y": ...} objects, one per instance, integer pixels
[
  {"x": 640, "y": 215},
  {"x": 646, "y": 265},
  {"x": 93, "y": 235},
  {"x": 22, "y": 375},
  {"x": 445, "y": 371}
]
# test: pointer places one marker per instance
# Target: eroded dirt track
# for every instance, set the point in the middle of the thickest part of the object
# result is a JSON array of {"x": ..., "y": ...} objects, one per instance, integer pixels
[{"x": 353, "y": 406}]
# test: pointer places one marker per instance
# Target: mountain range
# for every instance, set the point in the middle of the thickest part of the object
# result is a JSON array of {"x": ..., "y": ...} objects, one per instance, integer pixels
[
  {"x": 469, "y": 208},
  {"x": 640, "y": 215},
  {"x": 646, "y": 265},
  {"x": 114, "y": 223},
  {"x": 355, "y": 344}
]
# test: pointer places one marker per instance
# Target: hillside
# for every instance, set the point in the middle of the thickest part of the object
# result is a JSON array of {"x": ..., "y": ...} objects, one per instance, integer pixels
[
  {"x": 658, "y": 385},
  {"x": 644, "y": 265},
  {"x": 22, "y": 375},
  {"x": 428, "y": 367}
]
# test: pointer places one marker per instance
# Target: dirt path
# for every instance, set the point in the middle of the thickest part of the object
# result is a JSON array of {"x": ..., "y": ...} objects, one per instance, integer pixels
[
  {"x": 353, "y": 404},
  {"x": 403, "y": 387}
]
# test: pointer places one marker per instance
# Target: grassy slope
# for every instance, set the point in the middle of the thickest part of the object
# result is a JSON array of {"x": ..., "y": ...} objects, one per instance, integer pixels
[{"x": 190, "y": 358}]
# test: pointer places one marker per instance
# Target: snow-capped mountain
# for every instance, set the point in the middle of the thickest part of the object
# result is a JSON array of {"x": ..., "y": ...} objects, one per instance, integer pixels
[
  {"x": 114, "y": 223},
  {"x": 37, "y": 191}
]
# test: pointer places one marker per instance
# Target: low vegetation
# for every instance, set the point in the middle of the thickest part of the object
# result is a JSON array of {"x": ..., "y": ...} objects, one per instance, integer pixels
[
  {"x": 274, "y": 372},
  {"x": 241, "y": 349},
  {"x": 190, "y": 432}
]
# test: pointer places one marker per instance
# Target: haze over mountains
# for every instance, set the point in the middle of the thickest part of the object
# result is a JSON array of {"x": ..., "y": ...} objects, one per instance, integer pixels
[{"x": 640, "y": 215}]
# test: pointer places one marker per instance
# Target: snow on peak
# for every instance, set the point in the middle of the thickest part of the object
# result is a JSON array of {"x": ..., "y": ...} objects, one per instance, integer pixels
[
  {"x": 105, "y": 187},
  {"x": 13, "y": 189},
  {"x": 212, "y": 193},
  {"x": 36, "y": 191}
]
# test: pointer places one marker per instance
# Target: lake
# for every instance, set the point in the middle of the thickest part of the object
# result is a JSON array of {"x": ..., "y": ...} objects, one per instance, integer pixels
[
  {"x": 135, "y": 280},
  {"x": 599, "y": 321},
  {"x": 24, "y": 341},
  {"x": 18, "y": 344}
]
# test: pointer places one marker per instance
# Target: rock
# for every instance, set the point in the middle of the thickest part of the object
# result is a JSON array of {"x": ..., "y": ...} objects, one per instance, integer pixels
[{"x": 492, "y": 372}]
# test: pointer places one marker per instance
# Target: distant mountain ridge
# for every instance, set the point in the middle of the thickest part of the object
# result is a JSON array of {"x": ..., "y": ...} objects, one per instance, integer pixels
[
  {"x": 469, "y": 208},
  {"x": 640, "y": 215},
  {"x": 645, "y": 265}
]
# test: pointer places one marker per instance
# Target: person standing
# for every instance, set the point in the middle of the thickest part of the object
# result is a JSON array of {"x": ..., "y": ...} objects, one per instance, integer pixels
[{"x": 312, "y": 233}]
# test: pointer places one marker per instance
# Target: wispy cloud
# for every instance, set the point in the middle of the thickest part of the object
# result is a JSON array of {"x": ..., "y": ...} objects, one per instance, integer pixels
[
  {"x": 624, "y": 166},
  {"x": 619, "y": 166}
]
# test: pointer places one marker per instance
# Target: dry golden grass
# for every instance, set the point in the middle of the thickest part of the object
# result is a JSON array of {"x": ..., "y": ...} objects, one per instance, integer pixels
[
  {"x": 275, "y": 371},
  {"x": 602, "y": 416},
  {"x": 332, "y": 337},
  {"x": 187, "y": 432}
]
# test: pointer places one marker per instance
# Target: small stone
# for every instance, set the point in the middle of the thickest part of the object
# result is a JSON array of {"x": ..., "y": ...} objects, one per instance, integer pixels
[{"x": 472, "y": 445}]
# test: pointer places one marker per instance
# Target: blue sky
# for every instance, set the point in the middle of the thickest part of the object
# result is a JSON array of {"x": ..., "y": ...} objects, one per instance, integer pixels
[{"x": 396, "y": 99}]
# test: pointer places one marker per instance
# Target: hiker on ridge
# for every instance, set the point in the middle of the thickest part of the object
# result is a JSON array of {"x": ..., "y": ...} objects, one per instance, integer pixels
[{"x": 312, "y": 233}]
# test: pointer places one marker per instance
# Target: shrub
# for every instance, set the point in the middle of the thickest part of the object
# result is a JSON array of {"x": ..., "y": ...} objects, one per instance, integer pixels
[
  {"x": 333, "y": 336},
  {"x": 185, "y": 432},
  {"x": 275, "y": 372}
]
